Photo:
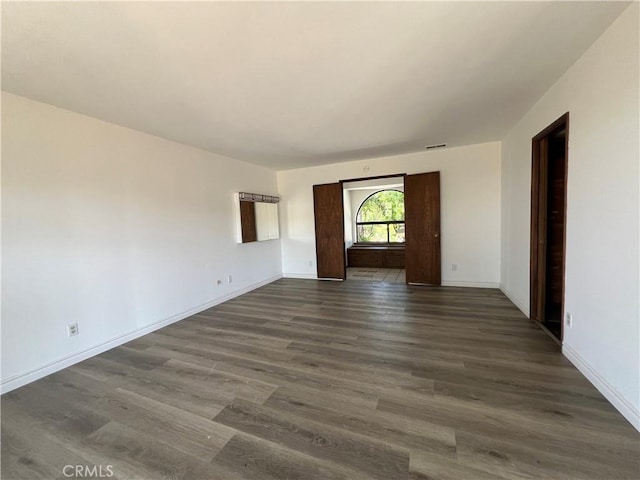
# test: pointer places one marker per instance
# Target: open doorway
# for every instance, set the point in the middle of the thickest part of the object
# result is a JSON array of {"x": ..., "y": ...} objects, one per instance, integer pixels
[
  {"x": 374, "y": 229},
  {"x": 412, "y": 242},
  {"x": 548, "y": 224}
]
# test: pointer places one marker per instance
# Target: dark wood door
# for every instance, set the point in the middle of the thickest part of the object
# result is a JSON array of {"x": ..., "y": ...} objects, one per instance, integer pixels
[
  {"x": 422, "y": 228},
  {"x": 248, "y": 221},
  {"x": 538, "y": 229},
  {"x": 548, "y": 220},
  {"x": 329, "y": 219},
  {"x": 554, "y": 268}
]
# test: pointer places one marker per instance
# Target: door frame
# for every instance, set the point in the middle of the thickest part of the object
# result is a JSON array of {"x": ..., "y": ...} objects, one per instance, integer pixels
[
  {"x": 537, "y": 268},
  {"x": 363, "y": 179},
  {"x": 377, "y": 177}
]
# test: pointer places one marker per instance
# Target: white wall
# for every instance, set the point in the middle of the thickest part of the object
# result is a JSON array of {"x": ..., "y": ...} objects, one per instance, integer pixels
[
  {"x": 113, "y": 229},
  {"x": 348, "y": 219},
  {"x": 602, "y": 263},
  {"x": 470, "y": 206}
]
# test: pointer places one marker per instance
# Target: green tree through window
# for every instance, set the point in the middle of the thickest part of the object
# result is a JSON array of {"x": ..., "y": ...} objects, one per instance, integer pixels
[{"x": 380, "y": 218}]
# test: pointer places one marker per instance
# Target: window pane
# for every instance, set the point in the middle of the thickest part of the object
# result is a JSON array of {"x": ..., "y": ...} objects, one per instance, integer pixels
[
  {"x": 382, "y": 206},
  {"x": 372, "y": 233},
  {"x": 396, "y": 233}
]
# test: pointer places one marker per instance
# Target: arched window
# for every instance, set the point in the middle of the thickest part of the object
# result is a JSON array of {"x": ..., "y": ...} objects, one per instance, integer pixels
[{"x": 380, "y": 218}]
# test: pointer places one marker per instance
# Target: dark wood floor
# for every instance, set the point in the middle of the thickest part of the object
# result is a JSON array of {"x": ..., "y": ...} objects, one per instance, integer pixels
[{"x": 320, "y": 380}]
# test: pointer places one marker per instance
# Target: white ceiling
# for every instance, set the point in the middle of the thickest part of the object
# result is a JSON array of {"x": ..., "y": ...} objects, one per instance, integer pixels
[{"x": 289, "y": 84}]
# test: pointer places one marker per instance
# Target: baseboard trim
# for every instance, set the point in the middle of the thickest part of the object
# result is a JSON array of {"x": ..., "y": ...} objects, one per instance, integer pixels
[
  {"x": 515, "y": 300},
  {"x": 610, "y": 393},
  {"x": 470, "y": 284},
  {"x": 31, "y": 376},
  {"x": 304, "y": 276}
]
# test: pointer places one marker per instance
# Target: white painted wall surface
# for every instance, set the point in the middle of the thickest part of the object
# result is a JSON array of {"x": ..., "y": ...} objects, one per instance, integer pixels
[
  {"x": 601, "y": 92},
  {"x": 470, "y": 206},
  {"x": 348, "y": 219},
  {"x": 113, "y": 229}
]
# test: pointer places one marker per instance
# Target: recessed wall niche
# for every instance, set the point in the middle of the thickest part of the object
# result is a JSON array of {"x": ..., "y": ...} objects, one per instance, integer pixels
[{"x": 257, "y": 217}]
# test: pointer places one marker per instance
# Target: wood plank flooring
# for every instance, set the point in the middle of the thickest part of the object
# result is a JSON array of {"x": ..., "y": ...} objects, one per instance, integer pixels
[{"x": 303, "y": 379}]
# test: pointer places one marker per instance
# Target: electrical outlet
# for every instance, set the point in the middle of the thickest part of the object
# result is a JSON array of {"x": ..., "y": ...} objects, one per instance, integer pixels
[
  {"x": 72, "y": 329},
  {"x": 229, "y": 279},
  {"x": 454, "y": 267},
  {"x": 311, "y": 263},
  {"x": 218, "y": 282},
  {"x": 569, "y": 320}
]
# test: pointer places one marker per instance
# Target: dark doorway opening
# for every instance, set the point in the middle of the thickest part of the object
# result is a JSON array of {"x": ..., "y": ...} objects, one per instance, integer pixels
[{"x": 548, "y": 224}]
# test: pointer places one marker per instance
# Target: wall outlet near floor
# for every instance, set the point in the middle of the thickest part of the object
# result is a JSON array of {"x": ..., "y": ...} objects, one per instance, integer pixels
[
  {"x": 454, "y": 267},
  {"x": 229, "y": 279},
  {"x": 569, "y": 320},
  {"x": 311, "y": 263},
  {"x": 72, "y": 329}
]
